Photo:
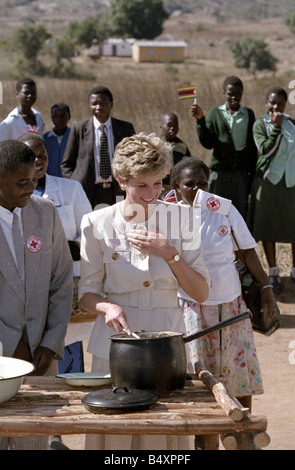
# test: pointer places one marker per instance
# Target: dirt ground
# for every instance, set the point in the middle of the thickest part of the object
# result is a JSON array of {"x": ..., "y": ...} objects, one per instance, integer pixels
[{"x": 277, "y": 360}]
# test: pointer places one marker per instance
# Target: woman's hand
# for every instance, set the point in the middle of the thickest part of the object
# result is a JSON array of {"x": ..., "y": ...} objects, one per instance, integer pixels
[
  {"x": 268, "y": 300},
  {"x": 196, "y": 111},
  {"x": 116, "y": 318},
  {"x": 152, "y": 242},
  {"x": 191, "y": 281}
]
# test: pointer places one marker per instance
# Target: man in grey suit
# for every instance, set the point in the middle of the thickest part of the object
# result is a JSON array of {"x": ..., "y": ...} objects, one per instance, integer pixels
[
  {"x": 35, "y": 266},
  {"x": 83, "y": 159}
]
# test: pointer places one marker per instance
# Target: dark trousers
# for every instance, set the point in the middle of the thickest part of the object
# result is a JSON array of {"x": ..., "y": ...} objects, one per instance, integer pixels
[
  {"x": 105, "y": 196},
  {"x": 73, "y": 359}
]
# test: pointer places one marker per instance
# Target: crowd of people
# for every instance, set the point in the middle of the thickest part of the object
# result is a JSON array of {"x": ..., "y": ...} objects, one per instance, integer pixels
[{"x": 90, "y": 210}]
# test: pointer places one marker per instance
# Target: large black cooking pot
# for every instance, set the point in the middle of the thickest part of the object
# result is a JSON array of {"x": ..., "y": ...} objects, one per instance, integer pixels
[{"x": 156, "y": 360}]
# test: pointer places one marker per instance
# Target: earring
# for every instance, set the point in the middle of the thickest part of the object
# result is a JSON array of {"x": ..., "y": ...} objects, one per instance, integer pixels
[{"x": 123, "y": 186}]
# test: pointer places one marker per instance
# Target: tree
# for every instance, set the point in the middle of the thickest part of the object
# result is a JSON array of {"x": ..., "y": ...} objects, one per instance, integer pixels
[
  {"x": 252, "y": 54},
  {"x": 85, "y": 31},
  {"x": 290, "y": 21},
  {"x": 64, "y": 48},
  {"x": 138, "y": 19},
  {"x": 30, "y": 39}
]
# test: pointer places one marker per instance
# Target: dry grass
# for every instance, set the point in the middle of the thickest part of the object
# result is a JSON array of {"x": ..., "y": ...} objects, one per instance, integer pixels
[{"x": 142, "y": 92}]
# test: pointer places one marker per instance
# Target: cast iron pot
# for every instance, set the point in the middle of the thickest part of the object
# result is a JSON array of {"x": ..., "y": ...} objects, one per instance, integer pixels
[{"x": 157, "y": 360}]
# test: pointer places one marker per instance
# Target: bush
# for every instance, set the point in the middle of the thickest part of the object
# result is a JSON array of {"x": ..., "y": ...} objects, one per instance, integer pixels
[{"x": 252, "y": 55}]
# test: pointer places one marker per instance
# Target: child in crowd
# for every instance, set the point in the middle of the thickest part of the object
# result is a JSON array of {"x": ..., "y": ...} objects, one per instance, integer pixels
[
  {"x": 24, "y": 118},
  {"x": 170, "y": 127},
  {"x": 57, "y": 137},
  {"x": 230, "y": 353},
  {"x": 227, "y": 130},
  {"x": 272, "y": 207}
]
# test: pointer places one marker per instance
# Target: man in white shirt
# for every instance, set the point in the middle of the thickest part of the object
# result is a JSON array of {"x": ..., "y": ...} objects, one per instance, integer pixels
[{"x": 23, "y": 118}]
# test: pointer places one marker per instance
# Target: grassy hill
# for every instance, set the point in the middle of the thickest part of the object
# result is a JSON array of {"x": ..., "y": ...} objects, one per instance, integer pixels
[
  {"x": 143, "y": 92},
  {"x": 57, "y": 14}
]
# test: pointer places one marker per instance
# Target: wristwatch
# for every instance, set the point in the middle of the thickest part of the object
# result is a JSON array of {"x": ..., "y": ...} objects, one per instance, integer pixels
[{"x": 174, "y": 259}]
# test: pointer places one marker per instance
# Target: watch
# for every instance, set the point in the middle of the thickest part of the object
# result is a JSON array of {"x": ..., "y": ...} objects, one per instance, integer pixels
[{"x": 174, "y": 259}]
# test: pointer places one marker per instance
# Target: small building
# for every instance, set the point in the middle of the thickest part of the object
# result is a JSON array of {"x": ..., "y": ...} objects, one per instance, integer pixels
[
  {"x": 159, "y": 51},
  {"x": 114, "y": 47}
]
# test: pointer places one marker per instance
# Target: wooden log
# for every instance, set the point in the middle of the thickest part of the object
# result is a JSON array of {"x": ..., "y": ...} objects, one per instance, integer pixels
[
  {"x": 223, "y": 398},
  {"x": 229, "y": 441},
  {"x": 232, "y": 407},
  {"x": 244, "y": 441},
  {"x": 260, "y": 439},
  {"x": 211, "y": 441}
]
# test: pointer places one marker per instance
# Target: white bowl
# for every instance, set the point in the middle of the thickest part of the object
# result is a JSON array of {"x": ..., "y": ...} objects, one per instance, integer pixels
[
  {"x": 86, "y": 379},
  {"x": 12, "y": 372}
]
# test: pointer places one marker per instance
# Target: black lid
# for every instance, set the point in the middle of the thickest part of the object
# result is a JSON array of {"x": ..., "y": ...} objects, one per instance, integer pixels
[{"x": 119, "y": 398}]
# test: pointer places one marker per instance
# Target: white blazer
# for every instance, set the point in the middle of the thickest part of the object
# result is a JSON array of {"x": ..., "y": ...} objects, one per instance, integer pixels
[{"x": 144, "y": 285}]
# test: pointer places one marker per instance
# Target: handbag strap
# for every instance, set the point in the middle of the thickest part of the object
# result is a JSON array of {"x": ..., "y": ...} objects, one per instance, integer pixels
[{"x": 236, "y": 242}]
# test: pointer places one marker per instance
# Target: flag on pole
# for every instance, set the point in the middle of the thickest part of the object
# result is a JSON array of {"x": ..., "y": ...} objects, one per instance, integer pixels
[
  {"x": 170, "y": 196},
  {"x": 186, "y": 93}
]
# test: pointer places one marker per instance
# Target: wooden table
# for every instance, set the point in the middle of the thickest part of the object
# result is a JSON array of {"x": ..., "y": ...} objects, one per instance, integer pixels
[{"x": 48, "y": 406}]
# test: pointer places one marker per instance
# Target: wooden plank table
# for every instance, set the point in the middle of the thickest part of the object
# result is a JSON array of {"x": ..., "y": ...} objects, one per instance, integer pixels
[{"x": 49, "y": 406}]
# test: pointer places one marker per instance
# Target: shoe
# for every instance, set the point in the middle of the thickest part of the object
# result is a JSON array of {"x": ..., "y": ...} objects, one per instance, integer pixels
[
  {"x": 55, "y": 443},
  {"x": 276, "y": 284}
]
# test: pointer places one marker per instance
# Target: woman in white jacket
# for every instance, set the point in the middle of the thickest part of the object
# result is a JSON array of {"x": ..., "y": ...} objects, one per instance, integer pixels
[{"x": 134, "y": 257}]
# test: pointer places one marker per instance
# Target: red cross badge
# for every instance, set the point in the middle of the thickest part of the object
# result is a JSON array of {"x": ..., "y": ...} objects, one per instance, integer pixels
[
  {"x": 222, "y": 230},
  {"x": 213, "y": 204},
  {"x": 34, "y": 244}
]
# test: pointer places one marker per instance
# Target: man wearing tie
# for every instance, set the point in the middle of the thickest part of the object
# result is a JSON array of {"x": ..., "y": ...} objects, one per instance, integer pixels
[{"x": 91, "y": 144}]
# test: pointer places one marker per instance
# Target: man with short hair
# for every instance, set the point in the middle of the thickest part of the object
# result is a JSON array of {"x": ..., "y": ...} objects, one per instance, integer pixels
[
  {"x": 35, "y": 269},
  {"x": 83, "y": 159}
]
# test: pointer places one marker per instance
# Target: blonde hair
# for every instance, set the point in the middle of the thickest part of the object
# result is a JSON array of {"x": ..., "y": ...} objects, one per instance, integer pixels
[{"x": 141, "y": 154}]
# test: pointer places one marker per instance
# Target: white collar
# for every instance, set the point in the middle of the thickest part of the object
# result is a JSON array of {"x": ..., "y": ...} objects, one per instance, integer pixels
[
  {"x": 7, "y": 215},
  {"x": 15, "y": 111},
  {"x": 97, "y": 124}
]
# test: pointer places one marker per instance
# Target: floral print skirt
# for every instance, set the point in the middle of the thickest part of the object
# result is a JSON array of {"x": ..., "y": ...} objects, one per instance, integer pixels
[{"x": 230, "y": 353}]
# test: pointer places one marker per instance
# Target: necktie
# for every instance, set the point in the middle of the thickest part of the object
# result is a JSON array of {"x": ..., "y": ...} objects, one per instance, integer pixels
[
  {"x": 104, "y": 166},
  {"x": 18, "y": 246}
]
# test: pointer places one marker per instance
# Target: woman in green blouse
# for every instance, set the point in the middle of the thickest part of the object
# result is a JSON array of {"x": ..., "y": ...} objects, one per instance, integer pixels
[{"x": 272, "y": 208}]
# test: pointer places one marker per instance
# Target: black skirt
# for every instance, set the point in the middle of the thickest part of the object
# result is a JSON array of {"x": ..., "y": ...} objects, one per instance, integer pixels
[{"x": 271, "y": 215}]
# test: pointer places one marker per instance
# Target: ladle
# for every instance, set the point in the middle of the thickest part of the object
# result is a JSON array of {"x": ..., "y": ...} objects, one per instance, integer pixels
[{"x": 131, "y": 334}]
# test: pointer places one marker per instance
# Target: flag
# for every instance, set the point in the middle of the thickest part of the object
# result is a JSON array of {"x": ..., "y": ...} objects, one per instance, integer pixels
[
  {"x": 170, "y": 196},
  {"x": 186, "y": 93}
]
